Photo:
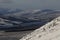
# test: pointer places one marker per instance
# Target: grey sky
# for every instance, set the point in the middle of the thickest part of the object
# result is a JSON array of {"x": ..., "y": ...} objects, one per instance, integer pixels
[{"x": 31, "y": 4}]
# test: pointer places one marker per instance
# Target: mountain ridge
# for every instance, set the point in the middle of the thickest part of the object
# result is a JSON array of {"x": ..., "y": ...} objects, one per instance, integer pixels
[{"x": 28, "y": 20}]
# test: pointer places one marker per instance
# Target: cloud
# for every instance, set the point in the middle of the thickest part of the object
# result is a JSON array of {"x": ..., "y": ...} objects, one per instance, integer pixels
[{"x": 5, "y": 1}]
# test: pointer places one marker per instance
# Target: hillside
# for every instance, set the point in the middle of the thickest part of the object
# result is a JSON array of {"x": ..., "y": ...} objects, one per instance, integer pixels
[
  {"x": 14, "y": 26},
  {"x": 50, "y": 31}
]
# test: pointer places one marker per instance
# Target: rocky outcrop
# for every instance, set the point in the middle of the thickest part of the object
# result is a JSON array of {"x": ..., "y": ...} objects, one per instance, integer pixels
[{"x": 50, "y": 31}]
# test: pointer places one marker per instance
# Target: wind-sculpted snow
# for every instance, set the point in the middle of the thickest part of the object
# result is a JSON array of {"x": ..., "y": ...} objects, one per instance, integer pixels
[{"x": 27, "y": 20}]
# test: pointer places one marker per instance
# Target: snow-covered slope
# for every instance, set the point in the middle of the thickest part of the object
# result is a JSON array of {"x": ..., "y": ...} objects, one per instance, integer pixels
[{"x": 50, "y": 31}]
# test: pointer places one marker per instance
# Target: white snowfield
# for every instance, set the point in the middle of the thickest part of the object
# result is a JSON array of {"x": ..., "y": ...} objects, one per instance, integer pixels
[{"x": 50, "y": 31}]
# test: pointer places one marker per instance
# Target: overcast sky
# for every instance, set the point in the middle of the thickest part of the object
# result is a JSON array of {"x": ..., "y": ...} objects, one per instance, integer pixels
[{"x": 31, "y": 4}]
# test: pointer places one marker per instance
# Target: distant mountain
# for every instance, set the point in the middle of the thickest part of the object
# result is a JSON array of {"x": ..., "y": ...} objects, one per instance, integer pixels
[
  {"x": 8, "y": 10},
  {"x": 27, "y": 20},
  {"x": 47, "y": 10}
]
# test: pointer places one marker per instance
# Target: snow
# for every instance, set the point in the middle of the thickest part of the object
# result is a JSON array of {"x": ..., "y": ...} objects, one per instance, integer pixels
[{"x": 50, "y": 31}]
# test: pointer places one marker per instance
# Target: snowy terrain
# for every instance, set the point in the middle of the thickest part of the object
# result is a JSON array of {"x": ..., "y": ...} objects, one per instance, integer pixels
[{"x": 50, "y": 31}]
